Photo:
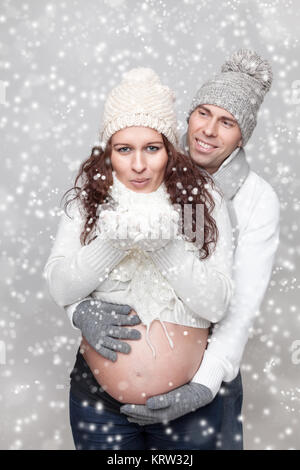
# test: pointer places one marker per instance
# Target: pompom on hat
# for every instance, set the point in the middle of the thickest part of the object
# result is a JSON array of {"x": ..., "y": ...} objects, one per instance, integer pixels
[
  {"x": 140, "y": 100},
  {"x": 240, "y": 88}
]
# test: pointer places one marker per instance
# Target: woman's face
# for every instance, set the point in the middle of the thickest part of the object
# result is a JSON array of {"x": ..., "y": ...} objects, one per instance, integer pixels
[{"x": 139, "y": 158}]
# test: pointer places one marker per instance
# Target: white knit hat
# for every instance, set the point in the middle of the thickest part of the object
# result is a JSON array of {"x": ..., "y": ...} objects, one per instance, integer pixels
[{"x": 140, "y": 100}]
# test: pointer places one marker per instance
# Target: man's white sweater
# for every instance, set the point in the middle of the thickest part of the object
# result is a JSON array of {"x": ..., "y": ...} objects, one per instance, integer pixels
[{"x": 257, "y": 210}]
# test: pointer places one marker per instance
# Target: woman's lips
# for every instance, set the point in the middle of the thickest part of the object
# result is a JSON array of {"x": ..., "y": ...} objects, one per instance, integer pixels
[
  {"x": 203, "y": 147},
  {"x": 140, "y": 183}
]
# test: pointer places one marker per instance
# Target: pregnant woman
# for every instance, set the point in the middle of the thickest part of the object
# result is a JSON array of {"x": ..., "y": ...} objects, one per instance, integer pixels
[{"x": 127, "y": 242}]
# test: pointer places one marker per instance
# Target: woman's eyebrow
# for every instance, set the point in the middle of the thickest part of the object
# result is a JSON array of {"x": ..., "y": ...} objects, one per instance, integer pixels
[
  {"x": 157, "y": 142},
  {"x": 121, "y": 143},
  {"x": 130, "y": 145},
  {"x": 148, "y": 143}
]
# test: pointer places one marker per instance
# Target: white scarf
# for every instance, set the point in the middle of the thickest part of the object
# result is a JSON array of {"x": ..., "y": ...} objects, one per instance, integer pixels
[{"x": 148, "y": 292}]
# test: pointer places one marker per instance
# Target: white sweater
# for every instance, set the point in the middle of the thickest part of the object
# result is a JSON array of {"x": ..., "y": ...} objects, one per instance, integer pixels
[
  {"x": 171, "y": 283},
  {"x": 257, "y": 209}
]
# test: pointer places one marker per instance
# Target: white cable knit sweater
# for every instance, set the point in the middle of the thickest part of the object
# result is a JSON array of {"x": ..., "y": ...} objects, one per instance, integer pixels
[{"x": 169, "y": 284}]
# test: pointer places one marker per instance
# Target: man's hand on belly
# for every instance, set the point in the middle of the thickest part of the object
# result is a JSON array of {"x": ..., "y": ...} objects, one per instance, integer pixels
[
  {"x": 169, "y": 406},
  {"x": 103, "y": 324}
]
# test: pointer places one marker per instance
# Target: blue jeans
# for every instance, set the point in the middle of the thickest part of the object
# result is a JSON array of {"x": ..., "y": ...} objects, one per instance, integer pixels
[{"x": 215, "y": 426}]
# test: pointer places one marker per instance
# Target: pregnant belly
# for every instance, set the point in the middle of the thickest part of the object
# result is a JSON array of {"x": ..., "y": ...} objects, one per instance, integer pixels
[{"x": 137, "y": 376}]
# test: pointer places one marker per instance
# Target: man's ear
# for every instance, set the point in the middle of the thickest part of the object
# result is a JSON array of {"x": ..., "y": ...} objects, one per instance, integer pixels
[{"x": 240, "y": 144}]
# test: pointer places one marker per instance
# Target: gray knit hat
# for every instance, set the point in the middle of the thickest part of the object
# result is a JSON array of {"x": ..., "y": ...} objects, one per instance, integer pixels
[
  {"x": 240, "y": 88},
  {"x": 140, "y": 100}
]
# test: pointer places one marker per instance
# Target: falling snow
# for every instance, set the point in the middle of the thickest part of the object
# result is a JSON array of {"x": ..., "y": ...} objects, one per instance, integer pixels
[{"x": 58, "y": 61}]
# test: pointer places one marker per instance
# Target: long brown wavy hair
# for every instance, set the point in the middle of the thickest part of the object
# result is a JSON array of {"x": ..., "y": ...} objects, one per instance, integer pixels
[{"x": 181, "y": 178}]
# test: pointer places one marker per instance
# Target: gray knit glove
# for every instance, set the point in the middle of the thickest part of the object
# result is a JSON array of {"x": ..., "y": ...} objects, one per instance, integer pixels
[
  {"x": 169, "y": 406},
  {"x": 102, "y": 322}
]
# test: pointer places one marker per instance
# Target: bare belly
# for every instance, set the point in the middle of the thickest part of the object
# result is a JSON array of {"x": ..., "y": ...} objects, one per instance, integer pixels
[{"x": 136, "y": 376}]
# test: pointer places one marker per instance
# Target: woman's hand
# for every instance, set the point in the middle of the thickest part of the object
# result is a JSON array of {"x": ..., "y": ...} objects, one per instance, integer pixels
[
  {"x": 169, "y": 406},
  {"x": 113, "y": 225},
  {"x": 131, "y": 229},
  {"x": 103, "y": 324},
  {"x": 149, "y": 244}
]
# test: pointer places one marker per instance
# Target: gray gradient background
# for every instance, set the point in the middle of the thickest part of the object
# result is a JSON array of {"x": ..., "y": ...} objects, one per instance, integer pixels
[{"x": 59, "y": 60}]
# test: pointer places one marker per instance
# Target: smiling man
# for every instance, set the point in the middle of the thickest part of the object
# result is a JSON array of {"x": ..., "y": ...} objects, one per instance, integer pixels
[
  {"x": 213, "y": 134},
  {"x": 221, "y": 120}
]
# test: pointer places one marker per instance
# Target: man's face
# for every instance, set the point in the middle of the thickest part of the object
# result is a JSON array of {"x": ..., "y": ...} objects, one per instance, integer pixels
[{"x": 213, "y": 134}]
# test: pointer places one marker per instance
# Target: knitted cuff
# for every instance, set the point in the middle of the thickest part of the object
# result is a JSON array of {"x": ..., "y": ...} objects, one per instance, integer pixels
[
  {"x": 211, "y": 372},
  {"x": 172, "y": 256},
  {"x": 70, "y": 309},
  {"x": 101, "y": 256}
]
